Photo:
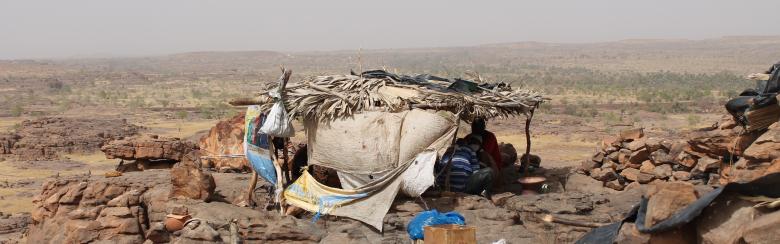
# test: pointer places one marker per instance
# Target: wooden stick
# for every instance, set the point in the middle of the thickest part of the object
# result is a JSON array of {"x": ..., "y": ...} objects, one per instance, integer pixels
[{"x": 552, "y": 219}]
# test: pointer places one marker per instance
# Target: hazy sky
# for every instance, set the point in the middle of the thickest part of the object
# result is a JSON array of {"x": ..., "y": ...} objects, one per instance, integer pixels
[{"x": 81, "y": 28}]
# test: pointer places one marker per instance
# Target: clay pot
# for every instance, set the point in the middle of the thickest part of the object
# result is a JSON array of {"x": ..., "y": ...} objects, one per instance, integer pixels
[
  {"x": 174, "y": 222},
  {"x": 531, "y": 185}
]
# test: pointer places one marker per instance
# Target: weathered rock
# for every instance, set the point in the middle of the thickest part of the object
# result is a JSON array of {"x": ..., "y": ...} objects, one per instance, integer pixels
[
  {"x": 743, "y": 141},
  {"x": 604, "y": 174},
  {"x": 637, "y": 157},
  {"x": 712, "y": 141},
  {"x": 609, "y": 141},
  {"x": 707, "y": 164},
  {"x": 663, "y": 171},
  {"x": 655, "y": 144},
  {"x": 763, "y": 229},
  {"x": 226, "y": 138},
  {"x": 630, "y": 174},
  {"x": 598, "y": 157},
  {"x": 680, "y": 235},
  {"x": 148, "y": 147},
  {"x": 7, "y": 141},
  {"x": 637, "y": 144},
  {"x": 660, "y": 157},
  {"x": 767, "y": 147},
  {"x": 623, "y": 156},
  {"x": 676, "y": 148},
  {"x": 581, "y": 183},
  {"x": 189, "y": 180},
  {"x": 608, "y": 165},
  {"x": 14, "y": 223},
  {"x": 630, "y": 235},
  {"x": 587, "y": 165},
  {"x": 632, "y": 134},
  {"x": 48, "y": 138},
  {"x": 667, "y": 198},
  {"x": 686, "y": 160},
  {"x": 647, "y": 167},
  {"x": 613, "y": 156},
  {"x": 681, "y": 175},
  {"x": 632, "y": 185},
  {"x": 615, "y": 185},
  {"x": 198, "y": 231},
  {"x": 722, "y": 222},
  {"x": 774, "y": 167}
]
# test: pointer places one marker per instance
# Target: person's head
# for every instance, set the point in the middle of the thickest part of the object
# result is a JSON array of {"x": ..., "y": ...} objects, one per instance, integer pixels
[
  {"x": 478, "y": 126},
  {"x": 460, "y": 142},
  {"x": 474, "y": 142}
]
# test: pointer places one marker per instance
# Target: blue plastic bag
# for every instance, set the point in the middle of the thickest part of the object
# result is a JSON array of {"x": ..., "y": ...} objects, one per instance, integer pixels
[{"x": 432, "y": 217}]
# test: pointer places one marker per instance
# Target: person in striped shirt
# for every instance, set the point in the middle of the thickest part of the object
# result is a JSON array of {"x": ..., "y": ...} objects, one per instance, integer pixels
[{"x": 466, "y": 175}]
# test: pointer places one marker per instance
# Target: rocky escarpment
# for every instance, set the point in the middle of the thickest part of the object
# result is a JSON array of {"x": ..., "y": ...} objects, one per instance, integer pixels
[
  {"x": 148, "y": 151},
  {"x": 49, "y": 138}
]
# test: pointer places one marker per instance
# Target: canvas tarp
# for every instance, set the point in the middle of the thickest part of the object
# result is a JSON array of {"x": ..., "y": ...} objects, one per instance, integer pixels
[
  {"x": 368, "y": 203},
  {"x": 413, "y": 184},
  {"x": 377, "y": 142}
]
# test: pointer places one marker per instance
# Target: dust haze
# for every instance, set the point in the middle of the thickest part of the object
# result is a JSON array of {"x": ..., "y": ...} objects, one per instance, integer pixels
[{"x": 63, "y": 29}]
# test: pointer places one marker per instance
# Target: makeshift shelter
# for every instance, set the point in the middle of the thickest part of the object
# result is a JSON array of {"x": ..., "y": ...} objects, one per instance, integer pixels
[{"x": 383, "y": 133}]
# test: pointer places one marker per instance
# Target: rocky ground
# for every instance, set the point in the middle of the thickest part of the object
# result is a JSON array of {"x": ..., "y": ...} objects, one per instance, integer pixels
[{"x": 131, "y": 206}]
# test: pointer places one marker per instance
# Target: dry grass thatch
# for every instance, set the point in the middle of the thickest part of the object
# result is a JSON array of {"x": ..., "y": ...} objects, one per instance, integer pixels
[{"x": 326, "y": 98}]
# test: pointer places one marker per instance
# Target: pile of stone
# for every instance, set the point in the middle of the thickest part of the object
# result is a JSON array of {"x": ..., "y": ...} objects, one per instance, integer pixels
[
  {"x": 715, "y": 155},
  {"x": 633, "y": 158}
]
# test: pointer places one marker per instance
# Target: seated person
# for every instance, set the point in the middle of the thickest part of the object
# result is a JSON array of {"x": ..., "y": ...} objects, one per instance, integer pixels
[
  {"x": 737, "y": 106},
  {"x": 466, "y": 173}
]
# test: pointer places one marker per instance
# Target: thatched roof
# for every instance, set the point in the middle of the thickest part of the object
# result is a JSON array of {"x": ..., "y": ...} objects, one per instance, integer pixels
[{"x": 330, "y": 97}]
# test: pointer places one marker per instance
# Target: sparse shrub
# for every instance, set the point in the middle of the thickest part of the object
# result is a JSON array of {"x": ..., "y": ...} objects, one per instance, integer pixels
[
  {"x": 17, "y": 110},
  {"x": 693, "y": 120},
  {"x": 181, "y": 114}
]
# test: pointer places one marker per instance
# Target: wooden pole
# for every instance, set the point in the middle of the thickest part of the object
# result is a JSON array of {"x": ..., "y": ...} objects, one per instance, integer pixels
[
  {"x": 452, "y": 154},
  {"x": 286, "y": 163},
  {"x": 552, "y": 219},
  {"x": 528, "y": 142}
]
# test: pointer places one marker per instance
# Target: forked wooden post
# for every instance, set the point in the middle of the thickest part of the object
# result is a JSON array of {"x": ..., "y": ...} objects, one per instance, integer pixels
[
  {"x": 271, "y": 152},
  {"x": 528, "y": 142}
]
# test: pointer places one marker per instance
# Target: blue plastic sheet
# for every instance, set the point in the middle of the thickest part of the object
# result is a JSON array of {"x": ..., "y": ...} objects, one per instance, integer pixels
[
  {"x": 432, "y": 217},
  {"x": 257, "y": 145}
]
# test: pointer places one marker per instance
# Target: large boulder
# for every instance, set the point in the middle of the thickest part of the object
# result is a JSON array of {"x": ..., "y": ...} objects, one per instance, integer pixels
[
  {"x": 666, "y": 198},
  {"x": 189, "y": 180},
  {"x": 582, "y": 183},
  {"x": 764, "y": 229},
  {"x": 722, "y": 221},
  {"x": 767, "y": 147},
  {"x": 149, "y": 147},
  {"x": 224, "y": 139},
  {"x": 713, "y": 141}
]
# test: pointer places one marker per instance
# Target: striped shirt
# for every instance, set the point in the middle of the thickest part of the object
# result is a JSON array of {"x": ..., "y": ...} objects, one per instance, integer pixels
[{"x": 464, "y": 163}]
